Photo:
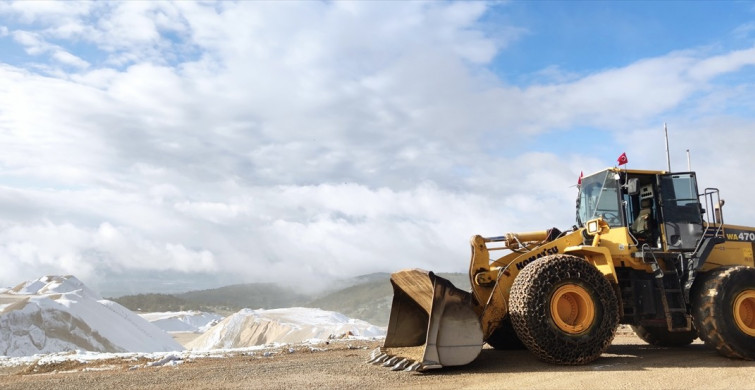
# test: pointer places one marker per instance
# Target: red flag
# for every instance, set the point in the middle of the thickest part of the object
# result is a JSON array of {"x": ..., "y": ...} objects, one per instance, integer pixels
[
  {"x": 623, "y": 159},
  {"x": 579, "y": 181}
]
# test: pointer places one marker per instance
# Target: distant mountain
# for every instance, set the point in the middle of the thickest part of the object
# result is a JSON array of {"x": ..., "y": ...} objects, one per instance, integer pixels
[
  {"x": 156, "y": 302},
  {"x": 361, "y": 279},
  {"x": 366, "y": 297},
  {"x": 371, "y": 299},
  {"x": 251, "y": 296}
]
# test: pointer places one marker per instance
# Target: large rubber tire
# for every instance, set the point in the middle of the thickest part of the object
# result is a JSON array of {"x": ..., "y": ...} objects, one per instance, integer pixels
[
  {"x": 564, "y": 310},
  {"x": 504, "y": 338},
  {"x": 661, "y": 337},
  {"x": 723, "y": 310}
]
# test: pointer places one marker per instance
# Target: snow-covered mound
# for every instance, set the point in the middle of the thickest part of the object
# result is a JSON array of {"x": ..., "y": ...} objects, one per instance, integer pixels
[
  {"x": 248, "y": 328},
  {"x": 59, "y": 313},
  {"x": 183, "y": 321}
]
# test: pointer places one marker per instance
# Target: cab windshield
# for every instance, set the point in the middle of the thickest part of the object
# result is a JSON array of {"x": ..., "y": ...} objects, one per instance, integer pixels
[{"x": 599, "y": 197}]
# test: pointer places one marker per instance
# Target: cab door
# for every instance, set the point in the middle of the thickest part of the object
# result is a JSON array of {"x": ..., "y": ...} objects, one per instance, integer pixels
[{"x": 680, "y": 210}]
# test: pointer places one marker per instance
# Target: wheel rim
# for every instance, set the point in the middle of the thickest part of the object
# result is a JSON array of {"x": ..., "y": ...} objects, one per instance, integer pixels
[
  {"x": 744, "y": 311},
  {"x": 572, "y": 309}
]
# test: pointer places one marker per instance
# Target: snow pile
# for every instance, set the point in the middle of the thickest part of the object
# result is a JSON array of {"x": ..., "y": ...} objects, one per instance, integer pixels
[
  {"x": 183, "y": 321},
  {"x": 59, "y": 313},
  {"x": 248, "y": 328}
]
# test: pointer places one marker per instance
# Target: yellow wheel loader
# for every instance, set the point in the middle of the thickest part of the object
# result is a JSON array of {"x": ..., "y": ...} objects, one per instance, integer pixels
[{"x": 648, "y": 250}]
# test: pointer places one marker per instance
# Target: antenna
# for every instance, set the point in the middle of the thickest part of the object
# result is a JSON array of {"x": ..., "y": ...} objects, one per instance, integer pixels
[
  {"x": 689, "y": 166},
  {"x": 668, "y": 157}
]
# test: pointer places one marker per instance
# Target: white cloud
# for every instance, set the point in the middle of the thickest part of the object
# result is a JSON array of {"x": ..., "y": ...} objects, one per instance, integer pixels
[
  {"x": 722, "y": 64},
  {"x": 298, "y": 140},
  {"x": 52, "y": 12},
  {"x": 216, "y": 212},
  {"x": 67, "y": 58},
  {"x": 128, "y": 32},
  {"x": 48, "y": 248},
  {"x": 744, "y": 31},
  {"x": 36, "y": 46}
]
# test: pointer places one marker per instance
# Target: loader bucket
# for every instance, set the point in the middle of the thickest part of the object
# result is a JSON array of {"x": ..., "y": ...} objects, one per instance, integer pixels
[{"x": 432, "y": 324}]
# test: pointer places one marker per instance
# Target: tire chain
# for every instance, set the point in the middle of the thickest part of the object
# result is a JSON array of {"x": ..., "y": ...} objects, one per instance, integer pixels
[{"x": 534, "y": 325}]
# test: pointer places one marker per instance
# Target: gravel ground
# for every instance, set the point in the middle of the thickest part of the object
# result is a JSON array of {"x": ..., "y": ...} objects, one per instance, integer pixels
[{"x": 628, "y": 364}]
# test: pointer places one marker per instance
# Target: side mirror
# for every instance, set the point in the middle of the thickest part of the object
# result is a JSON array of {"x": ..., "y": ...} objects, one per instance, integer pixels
[{"x": 632, "y": 188}]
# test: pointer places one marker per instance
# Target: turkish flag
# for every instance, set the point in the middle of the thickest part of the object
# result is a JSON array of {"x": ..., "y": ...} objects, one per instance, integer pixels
[
  {"x": 623, "y": 159},
  {"x": 579, "y": 181}
]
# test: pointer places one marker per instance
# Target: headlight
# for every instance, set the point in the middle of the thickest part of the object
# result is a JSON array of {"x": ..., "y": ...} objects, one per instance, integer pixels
[
  {"x": 597, "y": 226},
  {"x": 593, "y": 227}
]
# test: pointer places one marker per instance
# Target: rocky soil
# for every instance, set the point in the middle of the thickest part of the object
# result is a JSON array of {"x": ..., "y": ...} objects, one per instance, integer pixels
[{"x": 628, "y": 364}]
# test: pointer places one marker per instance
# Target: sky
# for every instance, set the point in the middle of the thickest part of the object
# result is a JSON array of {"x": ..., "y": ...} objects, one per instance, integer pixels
[{"x": 172, "y": 146}]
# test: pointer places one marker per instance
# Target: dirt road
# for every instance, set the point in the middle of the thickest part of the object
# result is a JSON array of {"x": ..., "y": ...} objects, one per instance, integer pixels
[{"x": 628, "y": 364}]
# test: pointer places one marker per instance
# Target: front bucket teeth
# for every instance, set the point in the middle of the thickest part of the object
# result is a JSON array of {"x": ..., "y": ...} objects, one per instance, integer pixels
[
  {"x": 380, "y": 359},
  {"x": 396, "y": 363},
  {"x": 401, "y": 365},
  {"x": 416, "y": 366},
  {"x": 391, "y": 361},
  {"x": 377, "y": 356}
]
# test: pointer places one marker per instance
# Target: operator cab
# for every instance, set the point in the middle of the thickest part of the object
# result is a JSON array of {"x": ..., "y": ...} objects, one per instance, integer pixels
[{"x": 657, "y": 208}]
